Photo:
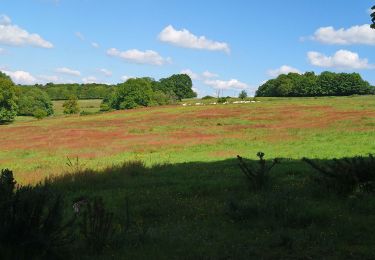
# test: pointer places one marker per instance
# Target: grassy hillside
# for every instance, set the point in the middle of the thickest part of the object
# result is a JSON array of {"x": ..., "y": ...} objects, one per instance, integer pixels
[
  {"x": 185, "y": 194},
  {"x": 290, "y": 128}
]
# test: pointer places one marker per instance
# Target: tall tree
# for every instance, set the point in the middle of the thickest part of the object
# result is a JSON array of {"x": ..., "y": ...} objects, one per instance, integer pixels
[
  {"x": 8, "y": 106},
  {"x": 32, "y": 100},
  {"x": 132, "y": 93},
  {"x": 373, "y": 17},
  {"x": 242, "y": 95},
  {"x": 180, "y": 84}
]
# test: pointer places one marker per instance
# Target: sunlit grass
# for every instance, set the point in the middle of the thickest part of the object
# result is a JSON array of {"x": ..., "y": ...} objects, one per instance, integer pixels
[{"x": 281, "y": 127}]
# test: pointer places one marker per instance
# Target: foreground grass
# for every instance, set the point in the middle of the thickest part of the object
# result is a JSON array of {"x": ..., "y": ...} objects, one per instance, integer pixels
[{"x": 205, "y": 210}]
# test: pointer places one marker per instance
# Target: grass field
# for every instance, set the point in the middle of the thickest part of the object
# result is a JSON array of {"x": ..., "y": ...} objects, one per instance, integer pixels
[
  {"x": 190, "y": 200},
  {"x": 89, "y": 105},
  {"x": 290, "y": 128}
]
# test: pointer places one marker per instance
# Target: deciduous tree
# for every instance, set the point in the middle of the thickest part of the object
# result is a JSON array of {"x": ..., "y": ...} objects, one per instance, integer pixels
[
  {"x": 8, "y": 106},
  {"x": 71, "y": 105}
]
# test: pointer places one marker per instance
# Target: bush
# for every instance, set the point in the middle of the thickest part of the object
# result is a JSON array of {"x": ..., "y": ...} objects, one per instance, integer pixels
[
  {"x": 347, "y": 175},
  {"x": 242, "y": 95},
  {"x": 259, "y": 176},
  {"x": 222, "y": 100},
  {"x": 34, "y": 102},
  {"x": 71, "y": 106},
  {"x": 97, "y": 226},
  {"x": 39, "y": 114},
  {"x": 207, "y": 97},
  {"x": 87, "y": 113},
  {"x": 104, "y": 107},
  {"x": 31, "y": 221}
]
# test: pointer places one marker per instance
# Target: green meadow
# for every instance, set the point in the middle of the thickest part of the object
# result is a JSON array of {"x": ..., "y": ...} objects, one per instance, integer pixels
[{"x": 170, "y": 176}]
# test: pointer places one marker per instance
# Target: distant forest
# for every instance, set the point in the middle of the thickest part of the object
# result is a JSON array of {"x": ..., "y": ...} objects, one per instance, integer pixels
[
  {"x": 178, "y": 86},
  {"x": 310, "y": 85}
]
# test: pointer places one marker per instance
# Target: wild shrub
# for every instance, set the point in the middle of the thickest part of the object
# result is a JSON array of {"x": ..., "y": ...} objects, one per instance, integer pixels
[
  {"x": 242, "y": 95},
  {"x": 348, "y": 175},
  {"x": 87, "y": 113},
  {"x": 75, "y": 165},
  {"x": 97, "y": 226},
  {"x": 257, "y": 176},
  {"x": 222, "y": 100},
  {"x": 39, "y": 114},
  {"x": 71, "y": 105},
  {"x": 31, "y": 221}
]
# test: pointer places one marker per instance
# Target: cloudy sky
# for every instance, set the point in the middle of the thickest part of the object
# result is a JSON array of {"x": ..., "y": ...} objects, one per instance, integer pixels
[{"x": 230, "y": 45}]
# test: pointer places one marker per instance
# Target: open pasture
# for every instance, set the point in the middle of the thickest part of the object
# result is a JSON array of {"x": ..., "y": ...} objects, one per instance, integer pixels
[{"x": 290, "y": 128}]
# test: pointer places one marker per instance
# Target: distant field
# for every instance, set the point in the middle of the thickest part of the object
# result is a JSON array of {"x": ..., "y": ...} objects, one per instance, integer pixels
[
  {"x": 292, "y": 128},
  {"x": 89, "y": 105}
]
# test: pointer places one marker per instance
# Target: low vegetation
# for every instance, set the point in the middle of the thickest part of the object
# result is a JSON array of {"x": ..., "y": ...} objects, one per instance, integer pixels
[
  {"x": 191, "y": 210},
  {"x": 71, "y": 106}
]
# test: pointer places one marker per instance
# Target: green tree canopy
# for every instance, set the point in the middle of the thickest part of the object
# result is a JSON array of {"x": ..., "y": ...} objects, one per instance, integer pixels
[
  {"x": 8, "y": 106},
  {"x": 32, "y": 101},
  {"x": 180, "y": 84},
  {"x": 132, "y": 93},
  {"x": 373, "y": 17},
  {"x": 242, "y": 95},
  {"x": 71, "y": 105},
  {"x": 148, "y": 92},
  {"x": 309, "y": 84}
]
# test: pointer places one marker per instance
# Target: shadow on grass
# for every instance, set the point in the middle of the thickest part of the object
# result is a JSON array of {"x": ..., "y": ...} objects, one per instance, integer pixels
[{"x": 206, "y": 210}]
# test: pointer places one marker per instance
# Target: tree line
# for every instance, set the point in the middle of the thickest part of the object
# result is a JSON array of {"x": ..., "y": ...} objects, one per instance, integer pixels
[
  {"x": 36, "y": 101},
  {"x": 81, "y": 91},
  {"x": 309, "y": 84}
]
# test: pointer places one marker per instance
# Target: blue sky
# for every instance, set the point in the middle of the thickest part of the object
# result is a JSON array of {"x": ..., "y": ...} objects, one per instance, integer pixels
[{"x": 230, "y": 45}]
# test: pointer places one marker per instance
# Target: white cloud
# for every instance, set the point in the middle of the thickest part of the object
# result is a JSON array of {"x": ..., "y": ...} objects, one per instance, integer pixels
[
  {"x": 79, "y": 36},
  {"x": 342, "y": 59},
  {"x": 186, "y": 39},
  {"x": 196, "y": 91},
  {"x": 89, "y": 79},
  {"x": 195, "y": 76},
  {"x": 49, "y": 78},
  {"x": 285, "y": 69},
  {"x": 125, "y": 77},
  {"x": 230, "y": 84},
  {"x": 106, "y": 72},
  {"x": 95, "y": 45},
  {"x": 209, "y": 75},
  {"x": 21, "y": 77},
  {"x": 140, "y": 57},
  {"x": 68, "y": 71},
  {"x": 192, "y": 75},
  {"x": 358, "y": 34},
  {"x": 11, "y": 34}
]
